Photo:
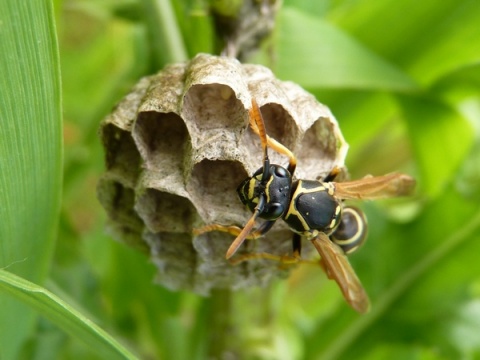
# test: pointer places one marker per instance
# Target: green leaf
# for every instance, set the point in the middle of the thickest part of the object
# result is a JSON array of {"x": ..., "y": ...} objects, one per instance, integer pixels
[
  {"x": 427, "y": 39},
  {"x": 63, "y": 315},
  {"x": 440, "y": 138},
  {"x": 30, "y": 153},
  {"x": 317, "y": 55},
  {"x": 318, "y": 8}
]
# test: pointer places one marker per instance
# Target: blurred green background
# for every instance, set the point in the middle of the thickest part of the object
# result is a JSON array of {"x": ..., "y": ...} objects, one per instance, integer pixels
[{"x": 403, "y": 80}]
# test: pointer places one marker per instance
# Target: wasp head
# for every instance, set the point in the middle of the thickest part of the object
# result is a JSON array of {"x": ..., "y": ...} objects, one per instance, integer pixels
[{"x": 275, "y": 188}]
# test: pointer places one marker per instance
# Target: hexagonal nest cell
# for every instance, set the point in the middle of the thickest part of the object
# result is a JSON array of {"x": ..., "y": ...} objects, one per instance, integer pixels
[{"x": 178, "y": 146}]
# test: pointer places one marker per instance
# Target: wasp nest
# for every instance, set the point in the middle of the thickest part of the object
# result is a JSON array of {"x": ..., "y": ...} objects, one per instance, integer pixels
[{"x": 178, "y": 146}]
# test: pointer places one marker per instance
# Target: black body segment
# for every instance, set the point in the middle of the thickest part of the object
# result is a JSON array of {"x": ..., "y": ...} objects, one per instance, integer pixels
[
  {"x": 313, "y": 208},
  {"x": 351, "y": 231},
  {"x": 277, "y": 191}
]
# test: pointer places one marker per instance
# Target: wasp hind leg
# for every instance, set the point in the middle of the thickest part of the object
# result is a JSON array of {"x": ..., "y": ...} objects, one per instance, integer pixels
[
  {"x": 293, "y": 259},
  {"x": 283, "y": 259},
  {"x": 235, "y": 230}
]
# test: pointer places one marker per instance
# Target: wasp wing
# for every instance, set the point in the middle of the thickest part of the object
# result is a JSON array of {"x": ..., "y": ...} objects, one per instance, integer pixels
[
  {"x": 375, "y": 187},
  {"x": 338, "y": 268}
]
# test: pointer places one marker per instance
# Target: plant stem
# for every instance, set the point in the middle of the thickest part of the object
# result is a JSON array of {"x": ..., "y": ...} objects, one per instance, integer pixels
[
  {"x": 167, "y": 41},
  {"x": 221, "y": 327}
]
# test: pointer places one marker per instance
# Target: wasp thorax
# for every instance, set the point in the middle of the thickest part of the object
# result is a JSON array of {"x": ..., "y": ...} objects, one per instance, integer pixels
[
  {"x": 178, "y": 146},
  {"x": 313, "y": 208}
]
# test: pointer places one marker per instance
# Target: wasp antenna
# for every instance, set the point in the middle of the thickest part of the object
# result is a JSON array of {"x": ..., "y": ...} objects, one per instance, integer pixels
[
  {"x": 246, "y": 230},
  {"x": 258, "y": 126},
  {"x": 240, "y": 238}
]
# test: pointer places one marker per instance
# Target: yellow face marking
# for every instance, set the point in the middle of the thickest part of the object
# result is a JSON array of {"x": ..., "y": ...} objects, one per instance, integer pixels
[{"x": 251, "y": 187}]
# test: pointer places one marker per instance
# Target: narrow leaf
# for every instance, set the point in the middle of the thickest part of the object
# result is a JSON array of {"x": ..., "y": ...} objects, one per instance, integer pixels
[
  {"x": 30, "y": 153},
  {"x": 63, "y": 315}
]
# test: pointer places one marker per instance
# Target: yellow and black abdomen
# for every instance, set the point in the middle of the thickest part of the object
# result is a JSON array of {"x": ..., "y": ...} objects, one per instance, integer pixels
[
  {"x": 313, "y": 208},
  {"x": 352, "y": 230}
]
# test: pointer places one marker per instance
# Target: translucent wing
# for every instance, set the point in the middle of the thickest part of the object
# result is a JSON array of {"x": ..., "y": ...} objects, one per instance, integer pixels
[
  {"x": 338, "y": 268},
  {"x": 375, "y": 187}
]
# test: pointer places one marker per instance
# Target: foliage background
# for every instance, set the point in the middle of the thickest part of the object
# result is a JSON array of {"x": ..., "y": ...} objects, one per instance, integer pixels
[{"x": 403, "y": 80}]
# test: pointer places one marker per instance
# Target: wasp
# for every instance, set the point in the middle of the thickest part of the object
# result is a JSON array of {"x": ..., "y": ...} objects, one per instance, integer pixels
[{"x": 313, "y": 209}]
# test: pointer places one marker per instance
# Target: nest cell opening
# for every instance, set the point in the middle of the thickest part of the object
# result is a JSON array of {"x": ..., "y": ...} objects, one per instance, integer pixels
[
  {"x": 318, "y": 149},
  {"x": 162, "y": 139},
  {"x": 118, "y": 200},
  {"x": 212, "y": 187},
  {"x": 165, "y": 212},
  {"x": 279, "y": 124},
  {"x": 124, "y": 223},
  {"x": 122, "y": 156},
  {"x": 213, "y": 106}
]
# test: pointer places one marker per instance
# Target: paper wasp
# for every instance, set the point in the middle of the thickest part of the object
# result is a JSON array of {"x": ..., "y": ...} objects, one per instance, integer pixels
[{"x": 313, "y": 209}]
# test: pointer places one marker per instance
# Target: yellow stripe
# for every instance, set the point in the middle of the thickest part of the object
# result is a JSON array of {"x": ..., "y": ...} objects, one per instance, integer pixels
[
  {"x": 358, "y": 234},
  {"x": 251, "y": 187}
]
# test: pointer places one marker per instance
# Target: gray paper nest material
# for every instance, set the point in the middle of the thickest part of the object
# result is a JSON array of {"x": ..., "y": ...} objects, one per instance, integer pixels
[{"x": 178, "y": 146}]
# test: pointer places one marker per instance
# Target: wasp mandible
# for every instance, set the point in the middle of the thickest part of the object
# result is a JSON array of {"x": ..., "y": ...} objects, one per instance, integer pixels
[{"x": 313, "y": 209}]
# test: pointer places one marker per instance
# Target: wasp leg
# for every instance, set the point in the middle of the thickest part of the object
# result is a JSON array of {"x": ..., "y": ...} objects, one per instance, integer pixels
[
  {"x": 297, "y": 245},
  {"x": 332, "y": 174},
  {"x": 235, "y": 230},
  {"x": 283, "y": 259}
]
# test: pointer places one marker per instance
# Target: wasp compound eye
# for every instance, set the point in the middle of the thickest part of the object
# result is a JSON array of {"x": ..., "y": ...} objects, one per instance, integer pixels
[
  {"x": 280, "y": 171},
  {"x": 273, "y": 211},
  {"x": 178, "y": 146}
]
